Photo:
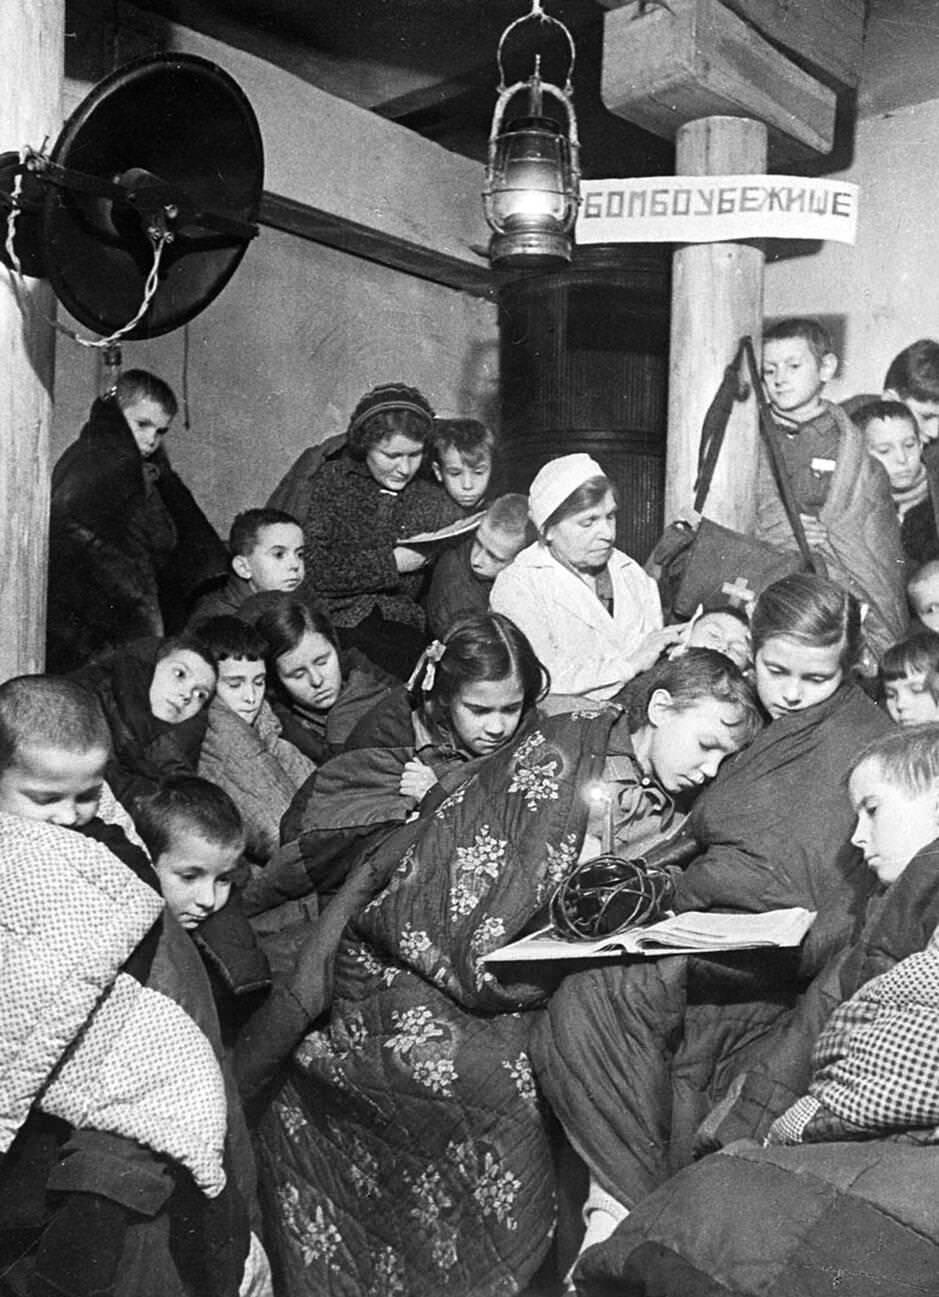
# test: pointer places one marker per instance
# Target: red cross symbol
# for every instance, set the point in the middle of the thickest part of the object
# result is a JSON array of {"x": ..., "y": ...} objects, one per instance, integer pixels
[{"x": 739, "y": 591}]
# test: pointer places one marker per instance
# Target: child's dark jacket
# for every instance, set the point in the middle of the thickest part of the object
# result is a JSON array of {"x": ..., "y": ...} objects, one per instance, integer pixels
[
  {"x": 836, "y": 1202},
  {"x": 222, "y": 600},
  {"x": 455, "y": 590},
  {"x": 900, "y": 921},
  {"x": 919, "y": 529},
  {"x": 128, "y": 543}
]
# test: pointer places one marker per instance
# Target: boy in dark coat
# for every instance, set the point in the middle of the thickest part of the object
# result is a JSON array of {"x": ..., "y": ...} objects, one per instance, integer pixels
[
  {"x": 842, "y": 495},
  {"x": 266, "y": 548},
  {"x": 463, "y": 573},
  {"x": 128, "y": 545}
]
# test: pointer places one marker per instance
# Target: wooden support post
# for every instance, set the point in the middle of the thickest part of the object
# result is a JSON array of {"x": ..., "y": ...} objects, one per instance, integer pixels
[
  {"x": 32, "y": 36},
  {"x": 702, "y": 71},
  {"x": 717, "y": 296}
]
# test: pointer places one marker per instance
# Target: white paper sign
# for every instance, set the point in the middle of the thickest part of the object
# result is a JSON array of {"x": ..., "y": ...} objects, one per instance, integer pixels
[{"x": 707, "y": 209}]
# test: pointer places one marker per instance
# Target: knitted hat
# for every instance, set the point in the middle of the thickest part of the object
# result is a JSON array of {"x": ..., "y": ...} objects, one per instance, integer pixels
[
  {"x": 390, "y": 396},
  {"x": 556, "y": 481}
]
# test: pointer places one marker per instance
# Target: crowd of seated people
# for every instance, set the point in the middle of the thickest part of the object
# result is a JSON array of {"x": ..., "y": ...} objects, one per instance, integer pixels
[{"x": 264, "y": 828}]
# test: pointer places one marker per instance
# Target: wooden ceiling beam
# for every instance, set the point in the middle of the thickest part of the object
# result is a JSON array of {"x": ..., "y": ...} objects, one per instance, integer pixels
[
  {"x": 666, "y": 66},
  {"x": 345, "y": 177},
  {"x": 824, "y": 35}
]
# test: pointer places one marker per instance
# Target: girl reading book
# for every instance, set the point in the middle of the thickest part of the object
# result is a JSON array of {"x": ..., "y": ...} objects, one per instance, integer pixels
[{"x": 407, "y": 1150}]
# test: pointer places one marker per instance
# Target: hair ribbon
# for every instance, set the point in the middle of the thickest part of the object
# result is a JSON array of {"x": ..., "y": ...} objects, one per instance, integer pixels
[{"x": 426, "y": 669}]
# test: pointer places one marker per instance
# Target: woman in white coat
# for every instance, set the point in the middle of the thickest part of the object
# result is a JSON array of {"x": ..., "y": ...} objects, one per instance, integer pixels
[{"x": 592, "y": 614}]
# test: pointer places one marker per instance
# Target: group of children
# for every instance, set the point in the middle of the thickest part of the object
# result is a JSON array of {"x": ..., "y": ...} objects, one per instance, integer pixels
[
  {"x": 207, "y": 737},
  {"x": 183, "y": 728}
]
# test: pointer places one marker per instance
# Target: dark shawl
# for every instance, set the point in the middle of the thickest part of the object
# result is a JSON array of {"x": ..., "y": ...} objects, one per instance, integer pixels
[
  {"x": 776, "y": 824},
  {"x": 320, "y": 735},
  {"x": 145, "y": 750}
]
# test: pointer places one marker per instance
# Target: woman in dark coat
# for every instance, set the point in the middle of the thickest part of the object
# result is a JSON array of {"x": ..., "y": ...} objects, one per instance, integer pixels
[
  {"x": 128, "y": 544},
  {"x": 364, "y": 504}
]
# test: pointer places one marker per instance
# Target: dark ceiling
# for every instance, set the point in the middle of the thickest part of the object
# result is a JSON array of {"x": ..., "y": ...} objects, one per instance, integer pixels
[{"x": 431, "y": 64}]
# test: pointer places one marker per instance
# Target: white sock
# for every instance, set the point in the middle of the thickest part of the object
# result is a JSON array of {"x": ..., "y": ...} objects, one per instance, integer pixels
[{"x": 601, "y": 1214}]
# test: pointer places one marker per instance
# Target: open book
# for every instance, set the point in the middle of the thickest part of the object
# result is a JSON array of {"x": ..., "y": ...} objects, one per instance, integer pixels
[
  {"x": 450, "y": 532},
  {"x": 690, "y": 933}
]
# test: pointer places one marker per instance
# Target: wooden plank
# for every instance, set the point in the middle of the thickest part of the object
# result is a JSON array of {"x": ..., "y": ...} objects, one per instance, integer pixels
[
  {"x": 389, "y": 250},
  {"x": 665, "y": 67},
  {"x": 32, "y": 36},
  {"x": 351, "y": 165},
  {"x": 827, "y": 35}
]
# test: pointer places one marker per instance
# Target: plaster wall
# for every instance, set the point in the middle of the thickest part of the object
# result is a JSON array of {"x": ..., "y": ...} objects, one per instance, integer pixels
[
  {"x": 279, "y": 359},
  {"x": 883, "y": 293}
]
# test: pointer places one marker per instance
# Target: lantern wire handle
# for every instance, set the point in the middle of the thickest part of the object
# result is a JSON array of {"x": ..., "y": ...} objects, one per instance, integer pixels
[
  {"x": 537, "y": 87},
  {"x": 537, "y": 12}
]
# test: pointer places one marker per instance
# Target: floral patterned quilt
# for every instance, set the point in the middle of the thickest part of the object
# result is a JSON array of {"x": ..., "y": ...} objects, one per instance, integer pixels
[{"x": 407, "y": 1154}]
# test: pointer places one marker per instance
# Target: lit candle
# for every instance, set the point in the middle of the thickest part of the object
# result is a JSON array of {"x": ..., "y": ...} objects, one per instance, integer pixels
[{"x": 601, "y": 804}]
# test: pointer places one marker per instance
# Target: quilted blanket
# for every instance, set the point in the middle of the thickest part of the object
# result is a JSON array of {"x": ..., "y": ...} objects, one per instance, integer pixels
[
  {"x": 408, "y": 1154},
  {"x": 105, "y": 1024},
  {"x": 797, "y": 1221}
]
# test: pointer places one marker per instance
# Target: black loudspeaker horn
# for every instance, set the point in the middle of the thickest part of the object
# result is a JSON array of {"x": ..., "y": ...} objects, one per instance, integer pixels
[{"x": 166, "y": 152}]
